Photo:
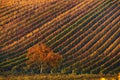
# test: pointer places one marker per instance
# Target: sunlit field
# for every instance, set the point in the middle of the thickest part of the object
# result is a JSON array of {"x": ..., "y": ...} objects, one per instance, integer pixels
[
  {"x": 59, "y": 39},
  {"x": 23, "y": 2},
  {"x": 60, "y": 77}
]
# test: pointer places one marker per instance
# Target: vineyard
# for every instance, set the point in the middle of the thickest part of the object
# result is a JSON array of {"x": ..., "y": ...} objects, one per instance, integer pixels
[{"x": 85, "y": 32}]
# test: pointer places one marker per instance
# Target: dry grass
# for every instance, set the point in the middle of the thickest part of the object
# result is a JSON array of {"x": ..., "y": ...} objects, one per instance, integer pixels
[{"x": 58, "y": 77}]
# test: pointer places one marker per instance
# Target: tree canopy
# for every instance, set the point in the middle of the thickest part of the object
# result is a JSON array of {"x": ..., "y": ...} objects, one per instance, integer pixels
[{"x": 41, "y": 55}]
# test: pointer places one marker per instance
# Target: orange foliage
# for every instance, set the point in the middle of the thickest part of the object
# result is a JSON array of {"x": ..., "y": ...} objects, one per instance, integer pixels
[
  {"x": 41, "y": 54},
  {"x": 53, "y": 59}
]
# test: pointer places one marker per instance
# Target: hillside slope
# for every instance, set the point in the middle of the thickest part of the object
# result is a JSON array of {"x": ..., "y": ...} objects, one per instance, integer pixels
[{"x": 85, "y": 32}]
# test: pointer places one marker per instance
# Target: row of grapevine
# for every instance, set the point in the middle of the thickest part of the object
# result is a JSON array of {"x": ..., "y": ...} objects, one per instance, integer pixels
[
  {"x": 85, "y": 32},
  {"x": 43, "y": 19}
]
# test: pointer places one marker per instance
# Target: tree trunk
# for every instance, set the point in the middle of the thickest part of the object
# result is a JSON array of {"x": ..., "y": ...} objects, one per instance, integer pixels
[
  {"x": 41, "y": 68},
  {"x": 51, "y": 71}
]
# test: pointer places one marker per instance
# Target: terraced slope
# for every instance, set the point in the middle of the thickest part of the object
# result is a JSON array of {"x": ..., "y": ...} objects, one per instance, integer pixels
[{"x": 85, "y": 32}]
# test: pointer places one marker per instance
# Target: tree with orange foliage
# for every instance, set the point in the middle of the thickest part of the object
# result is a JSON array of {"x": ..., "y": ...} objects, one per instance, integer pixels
[
  {"x": 53, "y": 60},
  {"x": 40, "y": 54}
]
